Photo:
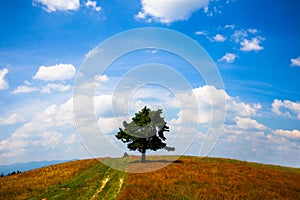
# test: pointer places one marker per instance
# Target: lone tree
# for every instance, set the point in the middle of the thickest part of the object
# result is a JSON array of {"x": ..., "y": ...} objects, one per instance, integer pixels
[{"x": 146, "y": 131}]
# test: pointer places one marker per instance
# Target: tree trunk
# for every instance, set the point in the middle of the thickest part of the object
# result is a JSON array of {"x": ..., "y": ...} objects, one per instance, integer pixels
[{"x": 143, "y": 155}]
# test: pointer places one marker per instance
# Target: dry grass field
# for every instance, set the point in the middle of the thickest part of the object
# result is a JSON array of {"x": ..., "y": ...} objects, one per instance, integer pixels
[
  {"x": 34, "y": 182},
  {"x": 213, "y": 178},
  {"x": 187, "y": 178}
]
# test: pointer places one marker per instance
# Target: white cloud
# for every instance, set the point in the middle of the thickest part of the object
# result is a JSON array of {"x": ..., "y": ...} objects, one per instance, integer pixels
[
  {"x": 52, "y": 86},
  {"x": 201, "y": 33},
  {"x": 233, "y": 107},
  {"x": 92, "y": 52},
  {"x": 50, "y": 139},
  {"x": 3, "y": 82},
  {"x": 24, "y": 89},
  {"x": 56, "y": 72},
  {"x": 248, "y": 124},
  {"x": 294, "y": 134},
  {"x": 294, "y": 107},
  {"x": 47, "y": 129},
  {"x": 141, "y": 15},
  {"x": 219, "y": 38},
  {"x": 239, "y": 108},
  {"x": 55, "y": 123},
  {"x": 71, "y": 139},
  {"x": 152, "y": 50},
  {"x": 252, "y": 45},
  {"x": 295, "y": 62},
  {"x": 276, "y": 105},
  {"x": 214, "y": 7},
  {"x": 112, "y": 124},
  {"x": 230, "y": 26},
  {"x": 257, "y": 145},
  {"x": 56, "y": 115},
  {"x": 93, "y": 5},
  {"x": 12, "y": 147},
  {"x": 101, "y": 78},
  {"x": 239, "y": 35},
  {"x": 168, "y": 11},
  {"x": 228, "y": 57},
  {"x": 12, "y": 119},
  {"x": 58, "y": 5},
  {"x": 252, "y": 30}
]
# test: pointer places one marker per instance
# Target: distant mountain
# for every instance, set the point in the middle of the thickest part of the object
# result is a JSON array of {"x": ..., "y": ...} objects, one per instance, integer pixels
[{"x": 5, "y": 169}]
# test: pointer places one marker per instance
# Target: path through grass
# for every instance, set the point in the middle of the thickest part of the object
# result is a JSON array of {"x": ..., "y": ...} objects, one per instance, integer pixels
[{"x": 98, "y": 182}]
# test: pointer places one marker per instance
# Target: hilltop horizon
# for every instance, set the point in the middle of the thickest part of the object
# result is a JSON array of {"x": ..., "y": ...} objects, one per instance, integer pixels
[
  {"x": 189, "y": 177},
  {"x": 225, "y": 73}
]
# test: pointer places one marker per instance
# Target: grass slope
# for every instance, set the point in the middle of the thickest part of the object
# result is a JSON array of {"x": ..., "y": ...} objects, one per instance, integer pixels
[
  {"x": 214, "y": 178},
  {"x": 187, "y": 178},
  {"x": 35, "y": 182},
  {"x": 98, "y": 182}
]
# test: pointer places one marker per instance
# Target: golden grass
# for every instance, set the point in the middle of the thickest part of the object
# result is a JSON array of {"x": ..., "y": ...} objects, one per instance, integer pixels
[
  {"x": 187, "y": 178},
  {"x": 212, "y": 178},
  {"x": 34, "y": 182}
]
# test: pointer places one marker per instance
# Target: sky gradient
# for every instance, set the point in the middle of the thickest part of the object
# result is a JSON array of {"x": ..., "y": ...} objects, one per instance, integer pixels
[{"x": 255, "y": 46}]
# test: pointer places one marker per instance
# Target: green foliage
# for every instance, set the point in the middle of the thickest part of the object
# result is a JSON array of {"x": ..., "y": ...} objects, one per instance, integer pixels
[
  {"x": 12, "y": 173},
  {"x": 125, "y": 155},
  {"x": 146, "y": 131}
]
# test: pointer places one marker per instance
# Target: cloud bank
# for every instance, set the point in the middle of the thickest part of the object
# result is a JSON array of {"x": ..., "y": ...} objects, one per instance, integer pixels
[
  {"x": 58, "y": 5},
  {"x": 169, "y": 11},
  {"x": 57, "y": 72},
  {"x": 3, "y": 82}
]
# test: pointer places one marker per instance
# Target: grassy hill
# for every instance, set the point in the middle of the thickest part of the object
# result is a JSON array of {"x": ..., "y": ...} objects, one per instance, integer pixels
[{"x": 187, "y": 178}]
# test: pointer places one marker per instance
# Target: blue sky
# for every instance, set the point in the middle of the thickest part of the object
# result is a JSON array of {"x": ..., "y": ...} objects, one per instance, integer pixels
[{"x": 255, "y": 46}]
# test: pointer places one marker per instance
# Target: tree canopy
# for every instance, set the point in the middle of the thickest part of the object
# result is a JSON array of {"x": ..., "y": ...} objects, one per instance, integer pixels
[{"x": 145, "y": 131}]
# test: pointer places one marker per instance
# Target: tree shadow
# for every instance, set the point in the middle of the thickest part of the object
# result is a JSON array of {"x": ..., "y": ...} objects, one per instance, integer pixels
[{"x": 155, "y": 161}]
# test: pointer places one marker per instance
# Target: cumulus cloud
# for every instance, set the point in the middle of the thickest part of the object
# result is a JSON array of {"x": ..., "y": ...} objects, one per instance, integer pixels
[
  {"x": 236, "y": 107},
  {"x": 58, "y": 5},
  {"x": 168, "y": 11},
  {"x": 233, "y": 106},
  {"x": 289, "y": 106},
  {"x": 111, "y": 124},
  {"x": 295, "y": 62},
  {"x": 228, "y": 57},
  {"x": 12, "y": 147},
  {"x": 56, "y": 115},
  {"x": 239, "y": 35},
  {"x": 48, "y": 128},
  {"x": 3, "y": 82},
  {"x": 55, "y": 87},
  {"x": 56, "y": 72},
  {"x": 51, "y": 139},
  {"x": 101, "y": 78},
  {"x": 24, "y": 89},
  {"x": 247, "y": 39},
  {"x": 201, "y": 33},
  {"x": 252, "y": 30},
  {"x": 92, "y": 52},
  {"x": 93, "y": 5},
  {"x": 290, "y": 134},
  {"x": 12, "y": 119},
  {"x": 229, "y": 26},
  {"x": 252, "y": 45},
  {"x": 219, "y": 38},
  {"x": 248, "y": 124}
]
